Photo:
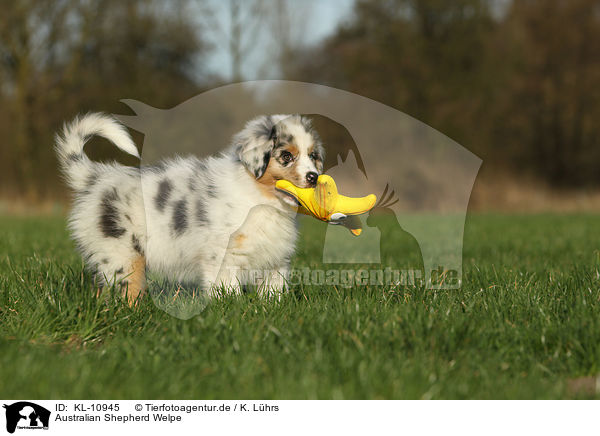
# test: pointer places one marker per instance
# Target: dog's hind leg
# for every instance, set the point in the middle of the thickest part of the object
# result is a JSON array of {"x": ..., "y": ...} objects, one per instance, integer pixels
[
  {"x": 134, "y": 283},
  {"x": 130, "y": 277}
]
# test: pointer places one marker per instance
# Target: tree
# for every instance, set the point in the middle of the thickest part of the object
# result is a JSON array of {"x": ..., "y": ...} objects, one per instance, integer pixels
[
  {"x": 553, "y": 99},
  {"x": 235, "y": 26},
  {"x": 61, "y": 57},
  {"x": 28, "y": 32}
]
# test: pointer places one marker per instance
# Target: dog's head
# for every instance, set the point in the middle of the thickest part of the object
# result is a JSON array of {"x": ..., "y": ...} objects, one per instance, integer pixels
[{"x": 279, "y": 147}]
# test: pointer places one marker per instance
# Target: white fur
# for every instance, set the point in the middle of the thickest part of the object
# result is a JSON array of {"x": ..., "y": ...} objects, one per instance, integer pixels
[
  {"x": 212, "y": 226},
  {"x": 304, "y": 140}
]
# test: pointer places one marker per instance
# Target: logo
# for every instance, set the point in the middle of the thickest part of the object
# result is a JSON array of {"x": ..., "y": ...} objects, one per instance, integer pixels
[
  {"x": 422, "y": 178},
  {"x": 26, "y": 415}
]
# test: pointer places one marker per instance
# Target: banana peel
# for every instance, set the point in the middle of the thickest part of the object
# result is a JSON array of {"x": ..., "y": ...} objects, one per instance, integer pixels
[{"x": 326, "y": 204}]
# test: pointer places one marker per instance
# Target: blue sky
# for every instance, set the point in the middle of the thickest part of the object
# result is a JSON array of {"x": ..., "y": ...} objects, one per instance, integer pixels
[{"x": 316, "y": 20}]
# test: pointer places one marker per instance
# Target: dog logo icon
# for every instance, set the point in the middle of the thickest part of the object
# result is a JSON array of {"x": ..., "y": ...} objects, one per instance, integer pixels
[{"x": 26, "y": 415}]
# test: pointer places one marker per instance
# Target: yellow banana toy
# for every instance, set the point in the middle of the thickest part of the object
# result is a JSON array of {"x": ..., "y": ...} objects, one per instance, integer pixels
[{"x": 325, "y": 203}]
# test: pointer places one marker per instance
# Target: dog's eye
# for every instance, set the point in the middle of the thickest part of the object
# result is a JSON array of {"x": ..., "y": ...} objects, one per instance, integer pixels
[
  {"x": 287, "y": 157},
  {"x": 314, "y": 156}
]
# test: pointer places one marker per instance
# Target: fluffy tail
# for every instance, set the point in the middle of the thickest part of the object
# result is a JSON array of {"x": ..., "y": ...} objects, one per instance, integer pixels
[{"x": 76, "y": 166}]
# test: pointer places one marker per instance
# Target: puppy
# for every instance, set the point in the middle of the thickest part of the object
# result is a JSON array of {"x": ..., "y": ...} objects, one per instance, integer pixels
[{"x": 218, "y": 222}]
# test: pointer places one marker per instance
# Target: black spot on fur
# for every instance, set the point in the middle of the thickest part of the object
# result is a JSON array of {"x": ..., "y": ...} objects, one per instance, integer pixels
[
  {"x": 180, "y": 221},
  {"x": 109, "y": 220},
  {"x": 75, "y": 157},
  {"x": 128, "y": 218},
  {"x": 282, "y": 140},
  {"x": 273, "y": 133},
  {"x": 136, "y": 245},
  {"x": 104, "y": 260},
  {"x": 162, "y": 196},
  {"x": 211, "y": 190},
  {"x": 119, "y": 271},
  {"x": 260, "y": 171},
  {"x": 201, "y": 215},
  {"x": 192, "y": 184},
  {"x": 201, "y": 166},
  {"x": 91, "y": 181}
]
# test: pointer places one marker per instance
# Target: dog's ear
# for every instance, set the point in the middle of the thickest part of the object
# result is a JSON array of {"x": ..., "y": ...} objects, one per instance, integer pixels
[{"x": 254, "y": 144}]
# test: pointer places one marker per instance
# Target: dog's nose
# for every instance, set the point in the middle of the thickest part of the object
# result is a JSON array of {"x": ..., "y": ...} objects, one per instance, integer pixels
[{"x": 311, "y": 178}]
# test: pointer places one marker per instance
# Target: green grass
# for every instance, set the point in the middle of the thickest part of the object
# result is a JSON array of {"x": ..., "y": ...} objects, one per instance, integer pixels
[{"x": 525, "y": 321}]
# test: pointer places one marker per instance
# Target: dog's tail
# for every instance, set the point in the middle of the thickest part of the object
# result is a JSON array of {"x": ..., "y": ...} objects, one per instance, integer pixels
[{"x": 76, "y": 166}]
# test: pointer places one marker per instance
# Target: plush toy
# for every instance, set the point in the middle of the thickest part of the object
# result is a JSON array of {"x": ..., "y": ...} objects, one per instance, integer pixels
[{"x": 325, "y": 203}]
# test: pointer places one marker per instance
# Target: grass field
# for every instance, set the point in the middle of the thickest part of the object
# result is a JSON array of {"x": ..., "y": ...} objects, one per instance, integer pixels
[{"x": 524, "y": 324}]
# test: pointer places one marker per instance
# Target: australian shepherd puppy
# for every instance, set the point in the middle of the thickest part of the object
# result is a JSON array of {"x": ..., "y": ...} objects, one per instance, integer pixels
[{"x": 218, "y": 222}]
